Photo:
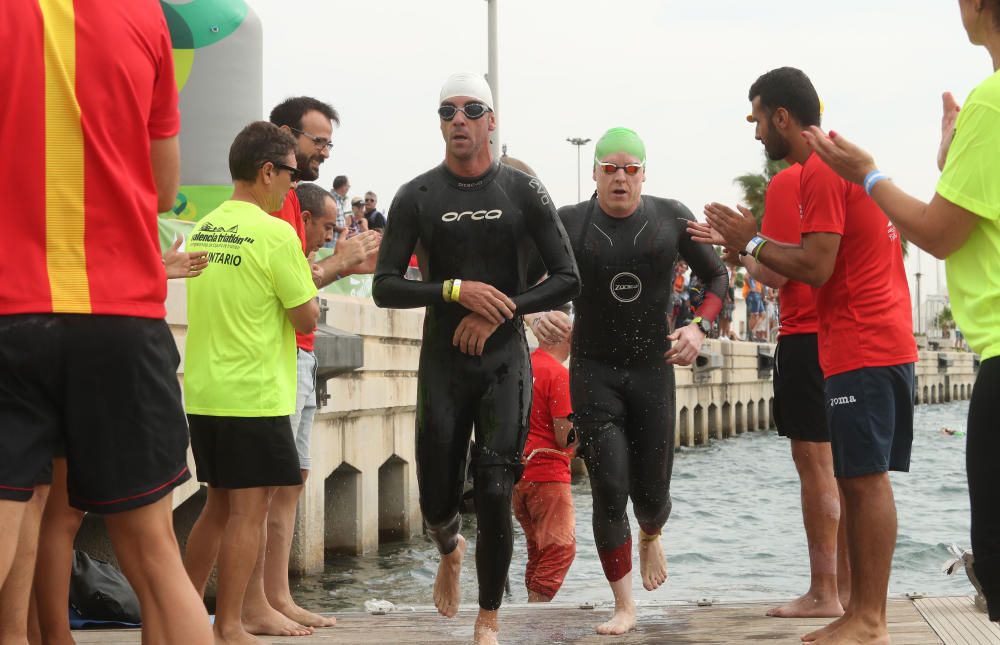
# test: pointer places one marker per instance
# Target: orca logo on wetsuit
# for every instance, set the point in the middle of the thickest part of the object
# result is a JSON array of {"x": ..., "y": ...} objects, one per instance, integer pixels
[
  {"x": 454, "y": 216},
  {"x": 626, "y": 287}
]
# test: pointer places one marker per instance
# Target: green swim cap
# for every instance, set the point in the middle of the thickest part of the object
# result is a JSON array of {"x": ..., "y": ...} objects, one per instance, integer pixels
[{"x": 620, "y": 140}]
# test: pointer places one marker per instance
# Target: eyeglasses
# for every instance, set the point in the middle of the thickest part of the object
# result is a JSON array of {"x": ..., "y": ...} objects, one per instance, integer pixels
[
  {"x": 471, "y": 110},
  {"x": 319, "y": 142},
  {"x": 369, "y": 199},
  {"x": 629, "y": 168},
  {"x": 358, "y": 205},
  {"x": 293, "y": 173}
]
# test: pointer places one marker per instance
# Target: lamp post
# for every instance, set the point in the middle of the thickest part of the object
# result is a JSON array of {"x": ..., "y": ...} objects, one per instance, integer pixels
[
  {"x": 579, "y": 143},
  {"x": 493, "y": 75}
]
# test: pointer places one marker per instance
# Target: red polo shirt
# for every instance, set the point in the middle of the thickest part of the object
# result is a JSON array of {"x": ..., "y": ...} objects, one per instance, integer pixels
[
  {"x": 291, "y": 212},
  {"x": 783, "y": 222},
  {"x": 864, "y": 308},
  {"x": 85, "y": 86},
  {"x": 550, "y": 391}
]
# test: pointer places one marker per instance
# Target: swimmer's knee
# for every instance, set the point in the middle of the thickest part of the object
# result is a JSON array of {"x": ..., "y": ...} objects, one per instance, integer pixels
[{"x": 495, "y": 477}]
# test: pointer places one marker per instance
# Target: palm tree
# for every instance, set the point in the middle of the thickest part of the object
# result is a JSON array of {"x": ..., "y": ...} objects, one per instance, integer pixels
[{"x": 754, "y": 186}]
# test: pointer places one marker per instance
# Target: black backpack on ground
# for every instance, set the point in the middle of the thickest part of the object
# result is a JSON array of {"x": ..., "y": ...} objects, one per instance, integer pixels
[{"x": 98, "y": 591}]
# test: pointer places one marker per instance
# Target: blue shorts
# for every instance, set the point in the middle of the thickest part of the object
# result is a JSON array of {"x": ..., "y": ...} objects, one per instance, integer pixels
[
  {"x": 755, "y": 302},
  {"x": 870, "y": 415}
]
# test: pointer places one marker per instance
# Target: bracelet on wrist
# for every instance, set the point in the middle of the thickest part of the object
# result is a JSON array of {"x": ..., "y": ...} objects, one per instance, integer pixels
[
  {"x": 446, "y": 290},
  {"x": 755, "y": 242},
  {"x": 873, "y": 178},
  {"x": 456, "y": 286},
  {"x": 756, "y": 252}
]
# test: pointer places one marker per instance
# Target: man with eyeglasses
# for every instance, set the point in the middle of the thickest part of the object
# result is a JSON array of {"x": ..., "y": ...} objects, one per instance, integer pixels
[
  {"x": 473, "y": 223},
  {"x": 621, "y": 372},
  {"x": 240, "y": 372},
  {"x": 376, "y": 220},
  {"x": 269, "y": 607}
]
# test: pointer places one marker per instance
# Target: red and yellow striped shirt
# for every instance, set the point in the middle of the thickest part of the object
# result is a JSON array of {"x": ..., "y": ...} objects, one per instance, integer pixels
[{"x": 86, "y": 85}]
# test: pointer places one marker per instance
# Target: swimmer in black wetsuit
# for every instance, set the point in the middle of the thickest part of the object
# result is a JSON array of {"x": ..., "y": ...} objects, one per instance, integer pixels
[
  {"x": 474, "y": 224},
  {"x": 621, "y": 373}
]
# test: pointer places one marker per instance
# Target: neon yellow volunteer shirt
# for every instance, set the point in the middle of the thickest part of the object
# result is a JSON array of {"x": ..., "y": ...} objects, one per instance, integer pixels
[
  {"x": 971, "y": 179},
  {"x": 240, "y": 350}
]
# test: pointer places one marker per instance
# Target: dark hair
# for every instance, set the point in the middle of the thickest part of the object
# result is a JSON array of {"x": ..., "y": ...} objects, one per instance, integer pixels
[
  {"x": 339, "y": 182},
  {"x": 311, "y": 198},
  {"x": 789, "y": 88},
  {"x": 255, "y": 145},
  {"x": 996, "y": 13},
  {"x": 290, "y": 111}
]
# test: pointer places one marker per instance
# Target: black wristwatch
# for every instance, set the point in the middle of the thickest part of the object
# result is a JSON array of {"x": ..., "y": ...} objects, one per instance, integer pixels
[{"x": 703, "y": 325}]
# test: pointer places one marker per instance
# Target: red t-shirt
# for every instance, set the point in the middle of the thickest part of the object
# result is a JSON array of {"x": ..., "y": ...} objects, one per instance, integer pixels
[
  {"x": 550, "y": 392},
  {"x": 85, "y": 90},
  {"x": 291, "y": 212},
  {"x": 783, "y": 222},
  {"x": 864, "y": 308}
]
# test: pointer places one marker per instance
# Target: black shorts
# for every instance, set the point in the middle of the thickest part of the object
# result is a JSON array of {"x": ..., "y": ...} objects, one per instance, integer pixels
[
  {"x": 104, "y": 386},
  {"x": 799, "y": 393},
  {"x": 870, "y": 414},
  {"x": 244, "y": 452}
]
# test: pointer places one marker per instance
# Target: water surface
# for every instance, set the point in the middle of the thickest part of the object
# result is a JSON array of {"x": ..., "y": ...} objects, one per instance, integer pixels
[{"x": 735, "y": 533}]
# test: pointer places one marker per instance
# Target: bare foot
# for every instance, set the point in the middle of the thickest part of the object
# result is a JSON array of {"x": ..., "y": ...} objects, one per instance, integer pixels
[
  {"x": 306, "y": 618},
  {"x": 824, "y": 631},
  {"x": 809, "y": 606},
  {"x": 652, "y": 562},
  {"x": 447, "y": 592},
  {"x": 234, "y": 636},
  {"x": 621, "y": 623},
  {"x": 487, "y": 630},
  {"x": 271, "y": 622},
  {"x": 856, "y": 632}
]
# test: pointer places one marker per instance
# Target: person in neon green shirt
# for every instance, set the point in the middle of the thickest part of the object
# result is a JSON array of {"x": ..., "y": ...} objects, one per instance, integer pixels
[
  {"x": 240, "y": 370},
  {"x": 961, "y": 225}
]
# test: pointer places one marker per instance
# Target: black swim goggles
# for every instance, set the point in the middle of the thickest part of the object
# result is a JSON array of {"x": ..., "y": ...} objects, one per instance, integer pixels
[{"x": 470, "y": 110}]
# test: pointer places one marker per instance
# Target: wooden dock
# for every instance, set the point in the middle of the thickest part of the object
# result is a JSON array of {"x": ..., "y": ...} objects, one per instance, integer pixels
[{"x": 928, "y": 621}]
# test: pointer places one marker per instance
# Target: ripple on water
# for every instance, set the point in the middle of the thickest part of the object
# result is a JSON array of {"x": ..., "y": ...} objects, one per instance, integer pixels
[{"x": 735, "y": 532}]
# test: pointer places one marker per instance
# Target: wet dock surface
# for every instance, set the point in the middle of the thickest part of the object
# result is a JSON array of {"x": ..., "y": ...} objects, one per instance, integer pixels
[{"x": 928, "y": 621}]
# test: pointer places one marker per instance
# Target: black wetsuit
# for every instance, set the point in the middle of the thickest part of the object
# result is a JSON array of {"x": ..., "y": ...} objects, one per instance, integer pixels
[
  {"x": 621, "y": 386},
  {"x": 481, "y": 229}
]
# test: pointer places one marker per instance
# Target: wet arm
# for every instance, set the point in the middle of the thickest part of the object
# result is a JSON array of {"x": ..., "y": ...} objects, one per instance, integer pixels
[
  {"x": 707, "y": 266},
  {"x": 563, "y": 281},
  {"x": 390, "y": 288}
]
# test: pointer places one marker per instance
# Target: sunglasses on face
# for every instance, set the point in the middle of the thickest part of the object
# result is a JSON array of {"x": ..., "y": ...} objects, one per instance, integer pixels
[
  {"x": 471, "y": 110},
  {"x": 293, "y": 173},
  {"x": 629, "y": 168}
]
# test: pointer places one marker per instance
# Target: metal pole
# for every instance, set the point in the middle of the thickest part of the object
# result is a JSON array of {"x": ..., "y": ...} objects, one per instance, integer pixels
[
  {"x": 493, "y": 75},
  {"x": 919, "y": 312},
  {"x": 579, "y": 143},
  {"x": 578, "y": 173},
  {"x": 919, "y": 306}
]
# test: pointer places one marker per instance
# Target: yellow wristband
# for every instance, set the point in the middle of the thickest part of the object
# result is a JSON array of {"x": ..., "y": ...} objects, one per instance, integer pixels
[
  {"x": 456, "y": 287},
  {"x": 446, "y": 290}
]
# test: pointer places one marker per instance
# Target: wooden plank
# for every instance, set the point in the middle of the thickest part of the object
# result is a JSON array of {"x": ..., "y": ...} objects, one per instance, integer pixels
[
  {"x": 558, "y": 624},
  {"x": 957, "y": 621}
]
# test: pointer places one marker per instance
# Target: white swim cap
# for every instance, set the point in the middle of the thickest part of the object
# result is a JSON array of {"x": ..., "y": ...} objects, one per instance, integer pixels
[{"x": 467, "y": 84}]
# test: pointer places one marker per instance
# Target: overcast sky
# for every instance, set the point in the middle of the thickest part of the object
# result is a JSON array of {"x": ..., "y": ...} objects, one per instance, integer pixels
[{"x": 676, "y": 71}]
